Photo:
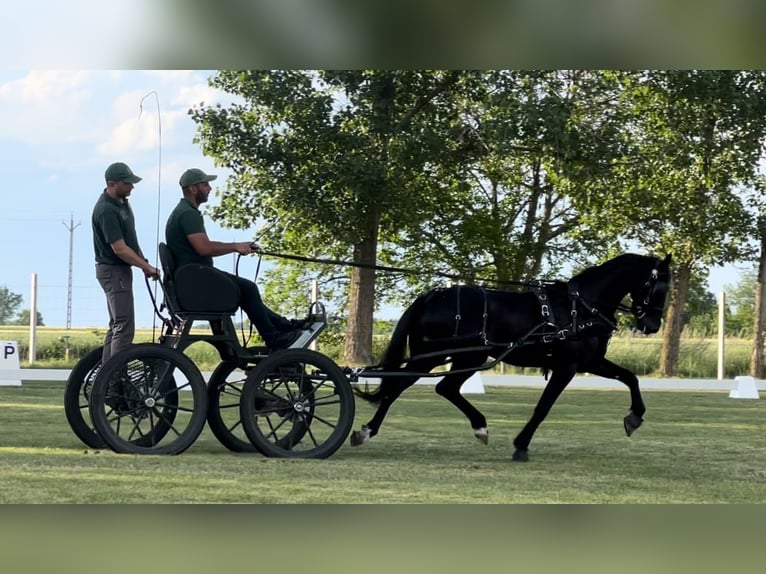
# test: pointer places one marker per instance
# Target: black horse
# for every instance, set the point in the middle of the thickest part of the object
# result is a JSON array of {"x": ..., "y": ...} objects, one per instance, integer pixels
[{"x": 561, "y": 327}]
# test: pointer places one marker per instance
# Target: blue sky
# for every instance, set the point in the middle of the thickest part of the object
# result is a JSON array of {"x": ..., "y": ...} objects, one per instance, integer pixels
[{"x": 60, "y": 131}]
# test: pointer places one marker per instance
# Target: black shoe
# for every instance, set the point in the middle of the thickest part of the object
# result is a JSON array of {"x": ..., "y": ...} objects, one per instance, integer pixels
[
  {"x": 302, "y": 324},
  {"x": 284, "y": 340}
]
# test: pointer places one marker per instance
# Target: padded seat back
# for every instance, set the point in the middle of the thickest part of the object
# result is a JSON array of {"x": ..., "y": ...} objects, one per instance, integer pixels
[{"x": 195, "y": 288}]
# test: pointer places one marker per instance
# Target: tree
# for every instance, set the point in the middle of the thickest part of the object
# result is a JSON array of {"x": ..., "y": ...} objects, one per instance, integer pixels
[
  {"x": 23, "y": 318},
  {"x": 533, "y": 145},
  {"x": 696, "y": 139},
  {"x": 334, "y": 161},
  {"x": 9, "y": 302}
]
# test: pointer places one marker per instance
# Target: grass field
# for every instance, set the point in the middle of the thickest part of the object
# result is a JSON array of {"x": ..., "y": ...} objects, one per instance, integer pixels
[{"x": 694, "y": 447}]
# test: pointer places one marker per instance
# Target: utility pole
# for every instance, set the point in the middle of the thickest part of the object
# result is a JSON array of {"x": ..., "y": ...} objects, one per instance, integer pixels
[{"x": 71, "y": 227}]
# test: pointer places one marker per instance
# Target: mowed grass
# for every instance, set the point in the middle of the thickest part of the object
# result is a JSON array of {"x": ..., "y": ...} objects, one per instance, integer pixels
[{"x": 694, "y": 447}]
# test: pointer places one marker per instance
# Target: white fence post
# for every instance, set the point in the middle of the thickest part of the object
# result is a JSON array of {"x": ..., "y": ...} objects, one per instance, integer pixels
[{"x": 721, "y": 333}]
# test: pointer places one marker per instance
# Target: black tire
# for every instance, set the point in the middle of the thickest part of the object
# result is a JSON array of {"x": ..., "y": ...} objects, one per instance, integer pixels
[
  {"x": 297, "y": 403},
  {"x": 224, "y": 390},
  {"x": 138, "y": 408},
  {"x": 76, "y": 395}
]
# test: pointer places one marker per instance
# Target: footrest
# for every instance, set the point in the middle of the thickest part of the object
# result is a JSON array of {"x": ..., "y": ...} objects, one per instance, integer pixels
[{"x": 318, "y": 321}]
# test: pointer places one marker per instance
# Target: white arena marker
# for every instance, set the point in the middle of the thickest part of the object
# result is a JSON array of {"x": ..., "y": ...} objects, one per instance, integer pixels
[
  {"x": 745, "y": 389},
  {"x": 473, "y": 386},
  {"x": 10, "y": 373}
]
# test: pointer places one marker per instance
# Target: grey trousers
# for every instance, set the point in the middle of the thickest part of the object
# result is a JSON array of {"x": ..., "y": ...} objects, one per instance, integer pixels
[{"x": 117, "y": 283}]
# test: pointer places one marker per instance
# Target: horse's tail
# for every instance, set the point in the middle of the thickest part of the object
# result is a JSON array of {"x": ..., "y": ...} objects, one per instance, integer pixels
[{"x": 394, "y": 353}]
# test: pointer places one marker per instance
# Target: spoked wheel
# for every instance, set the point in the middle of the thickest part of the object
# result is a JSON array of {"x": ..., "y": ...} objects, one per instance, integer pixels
[
  {"x": 224, "y": 391},
  {"x": 77, "y": 394},
  {"x": 149, "y": 399},
  {"x": 297, "y": 403}
]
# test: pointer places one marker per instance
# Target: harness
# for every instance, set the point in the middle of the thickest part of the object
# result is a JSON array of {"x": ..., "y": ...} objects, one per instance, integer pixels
[{"x": 549, "y": 329}]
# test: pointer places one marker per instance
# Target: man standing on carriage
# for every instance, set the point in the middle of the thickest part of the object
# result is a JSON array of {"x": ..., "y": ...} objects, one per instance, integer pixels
[
  {"x": 187, "y": 240},
  {"x": 116, "y": 247}
]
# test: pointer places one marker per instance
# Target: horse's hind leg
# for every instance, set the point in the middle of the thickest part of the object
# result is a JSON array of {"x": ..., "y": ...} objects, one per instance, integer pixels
[
  {"x": 560, "y": 378},
  {"x": 389, "y": 390},
  {"x": 607, "y": 369},
  {"x": 449, "y": 388}
]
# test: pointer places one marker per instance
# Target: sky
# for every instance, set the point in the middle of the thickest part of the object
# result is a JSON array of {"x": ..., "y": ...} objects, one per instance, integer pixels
[{"x": 60, "y": 130}]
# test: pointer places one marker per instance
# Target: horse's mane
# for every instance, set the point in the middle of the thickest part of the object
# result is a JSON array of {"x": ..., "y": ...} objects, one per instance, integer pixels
[{"x": 626, "y": 259}]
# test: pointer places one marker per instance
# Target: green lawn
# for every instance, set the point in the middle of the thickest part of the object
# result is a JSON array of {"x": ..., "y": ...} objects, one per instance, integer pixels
[{"x": 693, "y": 448}]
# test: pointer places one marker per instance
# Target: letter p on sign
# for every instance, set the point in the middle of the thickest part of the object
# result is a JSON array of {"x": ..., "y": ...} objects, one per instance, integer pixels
[{"x": 10, "y": 374}]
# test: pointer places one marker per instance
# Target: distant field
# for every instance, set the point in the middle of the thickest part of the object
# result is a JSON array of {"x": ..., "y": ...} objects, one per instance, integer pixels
[{"x": 638, "y": 353}]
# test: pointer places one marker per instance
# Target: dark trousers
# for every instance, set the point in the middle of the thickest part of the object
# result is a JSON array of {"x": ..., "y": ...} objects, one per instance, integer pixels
[
  {"x": 117, "y": 283},
  {"x": 268, "y": 323}
]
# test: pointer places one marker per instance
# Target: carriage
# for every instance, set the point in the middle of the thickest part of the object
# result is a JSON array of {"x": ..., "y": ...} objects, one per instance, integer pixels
[{"x": 151, "y": 398}]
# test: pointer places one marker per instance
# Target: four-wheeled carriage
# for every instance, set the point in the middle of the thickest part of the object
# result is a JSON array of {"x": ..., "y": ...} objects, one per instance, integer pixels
[{"x": 151, "y": 398}]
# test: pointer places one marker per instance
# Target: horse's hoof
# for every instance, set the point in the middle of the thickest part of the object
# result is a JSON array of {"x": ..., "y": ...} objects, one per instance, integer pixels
[
  {"x": 482, "y": 434},
  {"x": 632, "y": 422},
  {"x": 520, "y": 455},
  {"x": 360, "y": 437}
]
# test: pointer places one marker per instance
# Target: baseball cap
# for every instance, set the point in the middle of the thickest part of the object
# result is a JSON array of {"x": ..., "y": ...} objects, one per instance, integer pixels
[
  {"x": 194, "y": 175},
  {"x": 121, "y": 172}
]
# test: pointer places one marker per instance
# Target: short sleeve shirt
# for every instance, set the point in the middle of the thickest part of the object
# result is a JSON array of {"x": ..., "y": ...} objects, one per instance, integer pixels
[
  {"x": 111, "y": 221},
  {"x": 185, "y": 220}
]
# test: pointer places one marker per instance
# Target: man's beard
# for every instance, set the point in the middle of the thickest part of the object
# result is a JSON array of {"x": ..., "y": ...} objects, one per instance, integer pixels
[{"x": 200, "y": 197}]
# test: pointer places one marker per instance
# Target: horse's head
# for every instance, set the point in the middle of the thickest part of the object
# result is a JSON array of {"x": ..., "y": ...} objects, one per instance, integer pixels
[{"x": 648, "y": 298}]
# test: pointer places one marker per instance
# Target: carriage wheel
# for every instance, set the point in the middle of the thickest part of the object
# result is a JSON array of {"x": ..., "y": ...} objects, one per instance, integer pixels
[
  {"x": 224, "y": 390},
  {"x": 297, "y": 403},
  {"x": 76, "y": 395},
  {"x": 149, "y": 399},
  {"x": 77, "y": 399}
]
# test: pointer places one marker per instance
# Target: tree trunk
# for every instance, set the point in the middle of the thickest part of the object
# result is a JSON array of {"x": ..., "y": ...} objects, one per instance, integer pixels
[
  {"x": 671, "y": 334},
  {"x": 357, "y": 348},
  {"x": 756, "y": 357}
]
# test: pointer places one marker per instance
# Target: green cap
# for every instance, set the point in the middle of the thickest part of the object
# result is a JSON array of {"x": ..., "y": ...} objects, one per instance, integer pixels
[
  {"x": 121, "y": 172},
  {"x": 194, "y": 175}
]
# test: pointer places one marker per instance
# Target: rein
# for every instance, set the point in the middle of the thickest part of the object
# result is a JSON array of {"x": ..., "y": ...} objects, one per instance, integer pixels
[{"x": 402, "y": 270}]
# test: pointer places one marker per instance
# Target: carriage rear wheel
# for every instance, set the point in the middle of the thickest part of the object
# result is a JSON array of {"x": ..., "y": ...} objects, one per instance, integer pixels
[
  {"x": 149, "y": 399},
  {"x": 297, "y": 403},
  {"x": 224, "y": 391},
  {"x": 77, "y": 394}
]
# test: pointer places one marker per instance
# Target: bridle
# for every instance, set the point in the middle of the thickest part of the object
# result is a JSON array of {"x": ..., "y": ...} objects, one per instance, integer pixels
[{"x": 641, "y": 308}]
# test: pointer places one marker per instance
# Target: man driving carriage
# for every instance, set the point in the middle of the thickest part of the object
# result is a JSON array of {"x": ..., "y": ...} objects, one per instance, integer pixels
[{"x": 188, "y": 242}]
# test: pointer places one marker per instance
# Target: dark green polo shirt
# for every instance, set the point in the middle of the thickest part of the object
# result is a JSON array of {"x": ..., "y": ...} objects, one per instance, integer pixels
[
  {"x": 111, "y": 221},
  {"x": 185, "y": 220}
]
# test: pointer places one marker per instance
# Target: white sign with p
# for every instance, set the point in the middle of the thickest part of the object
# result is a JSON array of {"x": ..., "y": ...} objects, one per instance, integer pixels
[{"x": 10, "y": 373}]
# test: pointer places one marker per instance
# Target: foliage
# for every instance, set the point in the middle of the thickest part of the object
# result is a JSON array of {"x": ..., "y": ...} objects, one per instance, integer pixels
[
  {"x": 9, "y": 303},
  {"x": 23, "y": 318}
]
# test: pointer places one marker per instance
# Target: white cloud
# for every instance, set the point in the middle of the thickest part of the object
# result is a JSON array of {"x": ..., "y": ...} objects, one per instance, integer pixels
[{"x": 45, "y": 107}]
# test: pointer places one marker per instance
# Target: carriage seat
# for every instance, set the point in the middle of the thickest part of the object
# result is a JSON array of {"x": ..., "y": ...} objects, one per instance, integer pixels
[{"x": 197, "y": 289}]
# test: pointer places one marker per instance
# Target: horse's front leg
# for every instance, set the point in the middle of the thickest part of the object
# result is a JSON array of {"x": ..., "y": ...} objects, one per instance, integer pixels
[
  {"x": 607, "y": 369},
  {"x": 560, "y": 378}
]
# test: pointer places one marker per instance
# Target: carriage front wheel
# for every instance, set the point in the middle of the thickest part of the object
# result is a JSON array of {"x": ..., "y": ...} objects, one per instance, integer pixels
[
  {"x": 149, "y": 399},
  {"x": 297, "y": 403}
]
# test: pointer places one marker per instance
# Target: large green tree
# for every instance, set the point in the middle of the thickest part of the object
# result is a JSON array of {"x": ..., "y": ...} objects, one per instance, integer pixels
[
  {"x": 695, "y": 138},
  {"x": 533, "y": 146},
  {"x": 334, "y": 161}
]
